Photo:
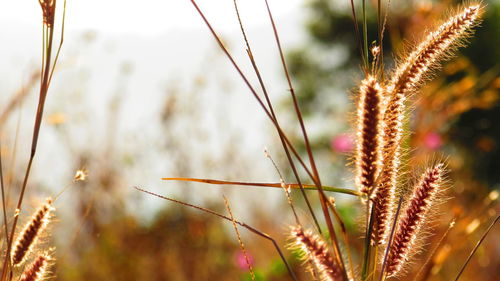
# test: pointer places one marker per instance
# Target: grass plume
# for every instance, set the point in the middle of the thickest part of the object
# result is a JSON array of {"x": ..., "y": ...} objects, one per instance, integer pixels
[
  {"x": 413, "y": 218},
  {"x": 316, "y": 251},
  {"x": 387, "y": 181},
  {"x": 437, "y": 45},
  {"x": 369, "y": 138},
  {"x": 37, "y": 270},
  {"x": 29, "y": 235}
]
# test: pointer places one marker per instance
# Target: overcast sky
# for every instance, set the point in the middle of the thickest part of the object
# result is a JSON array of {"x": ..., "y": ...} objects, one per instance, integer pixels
[{"x": 148, "y": 17}]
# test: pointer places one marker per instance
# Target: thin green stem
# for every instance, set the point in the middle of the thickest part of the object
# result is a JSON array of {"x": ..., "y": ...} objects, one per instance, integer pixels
[
  {"x": 476, "y": 247},
  {"x": 250, "y": 228},
  {"x": 275, "y": 185},
  {"x": 383, "y": 274},
  {"x": 273, "y": 115},
  {"x": 48, "y": 36},
  {"x": 4, "y": 207},
  {"x": 368, "y": 247},
  {"x": 365, "y": 37}
]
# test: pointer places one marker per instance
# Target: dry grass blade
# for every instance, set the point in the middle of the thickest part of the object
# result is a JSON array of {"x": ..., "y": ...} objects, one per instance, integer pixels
[
  {"x": 48, "y": 16},
  {"x": 331, "y": 204},
  {"x": 250, "y": 228},
  {"x": 4, "y": 207},
  {"x": 275, "y": 185},
  {"x": 476, "y": 247},
  {"x": 391, "y": 236},
  {"x": 275, "y": 119},
  {"x": 18, "y": 97},
  {"x": 269, "y": 115},
  {"x": 356, "y": 29},
  {"x": 316, "y": 179},
  {"x": 427, "y": 265},
  {"x": 242, "y": 246}
]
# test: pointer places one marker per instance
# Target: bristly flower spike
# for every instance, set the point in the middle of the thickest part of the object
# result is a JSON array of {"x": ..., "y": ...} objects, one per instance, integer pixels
[
  {"x": 317, "y": 252},
  {"x": 28, "y": 237},
  {"x": 413, "y": 218},
  {"x": 407, "y": 77},
  {"x": 434, "y": 47},
  {"x": 384, "y": 194},
  {"x": 368, "y": 134},
  {"x": 37, "y": 270}
]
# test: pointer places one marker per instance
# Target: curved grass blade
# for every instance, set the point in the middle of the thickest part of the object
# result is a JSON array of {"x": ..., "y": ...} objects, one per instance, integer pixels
[
  {"x": 274, "y": 185},
  {"x": 250, "y": 228}
]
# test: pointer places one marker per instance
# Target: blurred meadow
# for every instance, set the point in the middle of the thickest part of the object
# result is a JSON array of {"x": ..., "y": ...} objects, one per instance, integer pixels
[{"x": 142, "y": 91}]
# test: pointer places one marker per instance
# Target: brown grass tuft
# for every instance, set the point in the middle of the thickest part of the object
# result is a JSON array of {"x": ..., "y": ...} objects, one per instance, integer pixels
[
  {"x": 32, "y": 230},
  {"x": 413, "y": 218},
  {"x": 369, "y": 134},
  {"x": 317, "y": 252}
]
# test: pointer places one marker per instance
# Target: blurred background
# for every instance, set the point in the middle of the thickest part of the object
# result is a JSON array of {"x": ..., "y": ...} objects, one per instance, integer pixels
[{"x": 143, "y": 92}]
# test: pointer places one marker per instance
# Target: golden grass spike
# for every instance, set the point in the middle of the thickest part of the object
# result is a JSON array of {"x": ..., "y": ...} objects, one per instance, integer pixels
[
  {"x": 37, "y": 270},
  {"x": 369, "y": 134},
  {"x": 383, "y": 196},
  {"x": 32, "y": 230},
  {"x": 413, "y": 218},
  {"x": 317, "y": 252},
  {"x": 433, "y": 48}
]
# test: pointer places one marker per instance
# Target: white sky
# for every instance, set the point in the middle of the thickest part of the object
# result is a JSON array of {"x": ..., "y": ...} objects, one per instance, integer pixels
[{"x": 147, "y": 17}]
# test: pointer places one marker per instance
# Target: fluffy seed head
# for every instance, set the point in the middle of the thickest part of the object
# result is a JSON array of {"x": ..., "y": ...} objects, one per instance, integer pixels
[
  {"x": 317, "y": 252},
  {"x": 369, "y": 134},
  {"x": 37, "y": 270},
  {"x": 413, "y": 218},
  {"x": 433, "y": 48},
  {"x": 80, "y": 175},
  {"x": 28, "y": 237},
  {"x": 384, "y": 193}
]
